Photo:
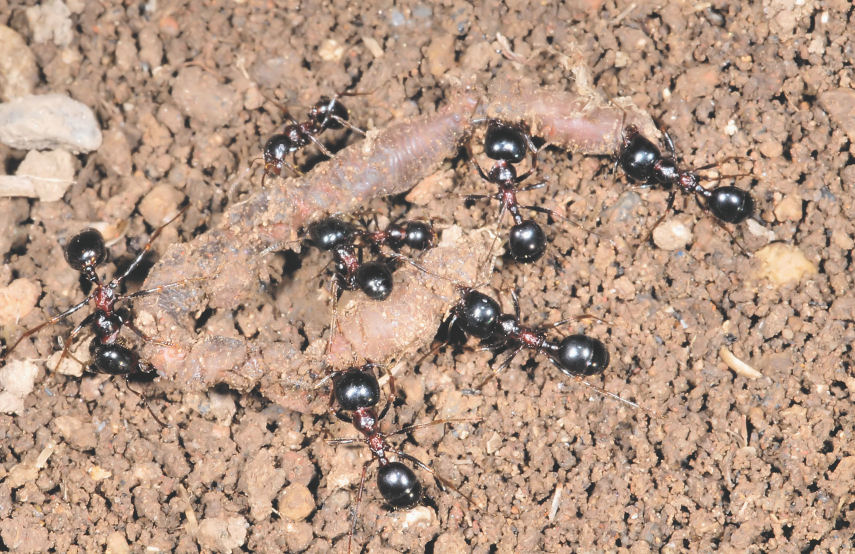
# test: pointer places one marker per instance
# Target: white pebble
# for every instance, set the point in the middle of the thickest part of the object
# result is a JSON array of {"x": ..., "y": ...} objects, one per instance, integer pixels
[
  {"x": 17, "y": 380},
  {"x": 42, "y": 175},
  {"x": 49, "y": 122},
  {"x": 18, "y": 71},
  {"x": 672, "y": 235}
]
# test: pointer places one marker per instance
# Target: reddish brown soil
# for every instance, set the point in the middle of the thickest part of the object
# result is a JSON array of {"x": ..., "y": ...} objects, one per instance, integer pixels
[{"x": 732, "y": 463}]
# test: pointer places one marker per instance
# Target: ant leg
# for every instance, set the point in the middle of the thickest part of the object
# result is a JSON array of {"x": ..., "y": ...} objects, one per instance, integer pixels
[
  {"x": 441, "y": 480},
  {"x": 285, "y": 113},
  {"x": 145, "y": 337},
  {"x": 320, "y": 145},
  {"x": 410, "y": 428},
  {"x": 161, "y": 288},
  {"x": 719, "y": 162},
  {"x": 604, "y": 392},
  {"x": 502, "y": 367},
  {"x": 118, "y": 279},
  {"x": 732, "y": 237},
  {"x": 49, "y": 322},
  {"x": 671, "y": 196},
  {"x": 145, "y": 401},
  {"x": 527, "y": 188},
  {"x": 341, "y": 415},
  {"x": 576, "y": 318},
  {"x": 355, "y": 509},
  {"x": 345, "y": 441},
  {"x": 348, "y": 124},
  {"x": 69, "y": 340}
]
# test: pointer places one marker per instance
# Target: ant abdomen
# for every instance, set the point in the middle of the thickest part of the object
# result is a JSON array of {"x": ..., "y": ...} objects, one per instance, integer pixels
[
  {"x": 356, "y": 389},
  {"x": 580, "y": 355},
  {"x": 730, "y": 204},
  {"x": 399, "y": 485},
  {"x": 526, "y": 242},
  {"x": 85, "y": 250},
  {"x": 113, "y": 359},
  {"x": 375, "y": 280}
]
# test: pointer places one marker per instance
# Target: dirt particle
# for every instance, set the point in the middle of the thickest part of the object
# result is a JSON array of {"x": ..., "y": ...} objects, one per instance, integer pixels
[
  {"x": 17, "y": 380},
  {"x": 789, "y": 208},
  {"x": 840, "y": 105},
  {"x": 48, "y": 173},
  {"x": 98, "y": 473},
  {"x": 672, "y": 235},
  {"x": 199, "y": 95},
  {"x": 296, "y": 502},
  {"x": 77, "y": 434},
  {"x": 159, "y": 204},
  {"x": 17, "y": 299},
  {"x": 18, "y": 71},
  {"x": 116, "y": 152},
  {"x": 51, "y": 20},
  {"x": 222, "y": 534},
  {"x": 331, "y": 50},
  {"x": 783, "y": 263},
  {"x": 117, "y": 544}
]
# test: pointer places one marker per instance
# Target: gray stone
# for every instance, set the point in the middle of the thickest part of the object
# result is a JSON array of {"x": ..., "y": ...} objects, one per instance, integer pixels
[{"x": 49, "y": 122}]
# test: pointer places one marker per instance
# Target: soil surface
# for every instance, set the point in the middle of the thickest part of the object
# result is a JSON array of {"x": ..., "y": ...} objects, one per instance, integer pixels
[{"x": 713, "y": 459}]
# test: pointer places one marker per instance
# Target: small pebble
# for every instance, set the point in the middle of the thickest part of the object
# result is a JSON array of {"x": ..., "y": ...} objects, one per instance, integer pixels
[
  {"x": 331, "y": 51},
  {"x": 18, "y": 70},
  {"x": 77, "y": 434},
  {"x": 51, "y": 20},
  {"x": 17, "y": 380},
  {"x": 117, "y": 544},
  {"x": 420, "y": 516},
  {"x": 199, "y": 95},
  {"x": 783, "y": 263},
  {"x": 48, "y": 173},
  {"x": 840, "y": 105},
  {"x": 296, "y": 502},
  {"x": 672, "y": 235},
  {"x": 49, "y": 122},
  {"x": 98, "y": 473},
  {"x": 222, "y": 534},
  {"x": 789, "y": 208},
  {"x": 17, "y": 299},
  {"x": 160, "y": 204},
  {"x": 116, "y": 152}
]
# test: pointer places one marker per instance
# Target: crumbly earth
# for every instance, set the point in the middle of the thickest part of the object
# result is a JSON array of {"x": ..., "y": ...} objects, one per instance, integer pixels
[{"x": 727, "y": 462}]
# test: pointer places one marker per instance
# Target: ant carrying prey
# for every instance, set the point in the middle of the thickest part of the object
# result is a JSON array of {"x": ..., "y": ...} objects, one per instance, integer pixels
[
  {"x": 357, "y": 393},
  {"x": 642, "y": 161},
  {"x": 326, "y": 113}
]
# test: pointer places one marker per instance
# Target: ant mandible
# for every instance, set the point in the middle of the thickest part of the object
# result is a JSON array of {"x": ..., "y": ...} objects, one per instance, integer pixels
[
  {"x": 326, "y": 113},
  {"x": 357, "y": 393},
  {"x": 641, "y": 161},
  {"x": 508, "y": 144},
  {"x": 84, "y": 252}
]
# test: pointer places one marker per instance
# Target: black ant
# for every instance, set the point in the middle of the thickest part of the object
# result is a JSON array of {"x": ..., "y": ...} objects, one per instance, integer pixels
[
  {"x": 84, "y": 252},
  {"x": 641, "y": 161},
  {"x": 508, "y": 144},
  {"x": 357, "y": 391},
  {"x": 374, "y": 278},
  {"x": 479, "y": 315},
  {"x": 326, "y": 113}
]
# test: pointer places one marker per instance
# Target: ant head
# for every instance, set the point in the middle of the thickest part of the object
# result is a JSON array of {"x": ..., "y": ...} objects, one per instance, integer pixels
[
  {"x": 355, "y": 389},
  {"x": 375, "y": 280},
  {"x": 730, "y": 204},
  {"x": 526, "y": 242},
  {"x": 326, "y": 112},
  {"x": 505, "y": 142},
  {"x": 330, "y": 233},
  {"x": 478, "y": 314},
  {"x": 419, "y": 235},
  {"x": 275, "y": 150},
  {"x": 113, "y": 359},
  {"x": 399, "y": 485},
  {"x": 86, "y": 250},
  {"x": 581, "y": 355},
  {"x": 638, "y": 155}
]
